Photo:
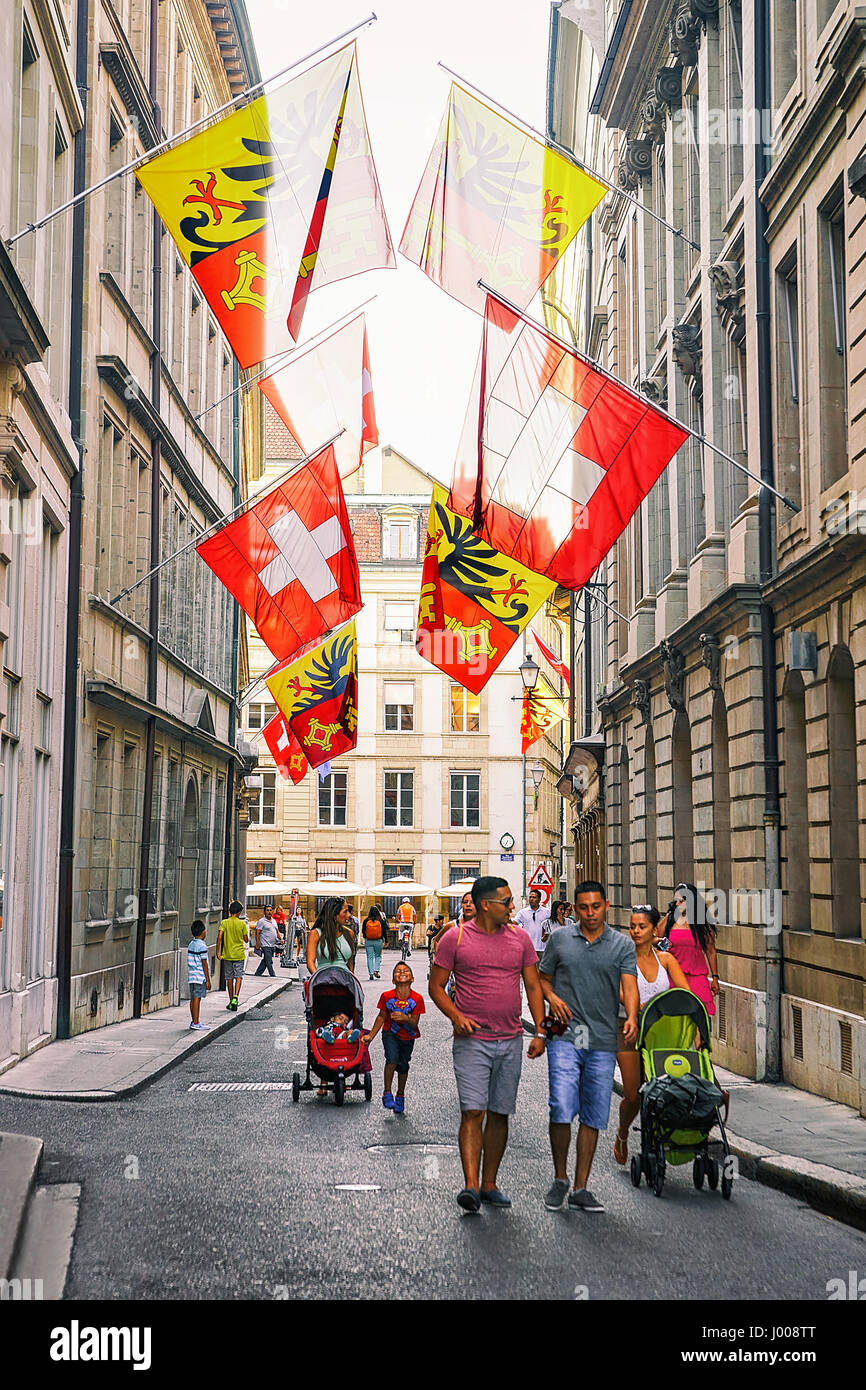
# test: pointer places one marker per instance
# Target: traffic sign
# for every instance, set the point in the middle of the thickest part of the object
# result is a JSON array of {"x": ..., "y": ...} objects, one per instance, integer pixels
[{"x": 543, "y": 881}]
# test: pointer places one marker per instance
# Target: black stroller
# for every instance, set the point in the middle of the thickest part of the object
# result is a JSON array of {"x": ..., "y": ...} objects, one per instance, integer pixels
[{"x": 330, "y": 990}]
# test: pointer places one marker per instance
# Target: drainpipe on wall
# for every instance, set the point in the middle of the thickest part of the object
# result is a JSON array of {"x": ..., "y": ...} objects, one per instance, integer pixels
[
  {"x": 65, "y": 891},
  {"x": 144, "y": 889},
  {"x": 769, "y": 1067}
]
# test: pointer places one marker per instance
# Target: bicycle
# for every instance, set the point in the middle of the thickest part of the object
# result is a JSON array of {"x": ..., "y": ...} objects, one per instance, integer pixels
[{"x": 405, "y": 945}]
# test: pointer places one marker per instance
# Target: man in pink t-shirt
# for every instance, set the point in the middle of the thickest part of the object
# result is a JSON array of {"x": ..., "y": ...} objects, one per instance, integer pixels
[{"x": 488, "y": 958}]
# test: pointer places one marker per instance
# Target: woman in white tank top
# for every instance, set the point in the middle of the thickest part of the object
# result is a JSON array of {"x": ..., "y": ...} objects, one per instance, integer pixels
[{"x": 656, "y": 971}]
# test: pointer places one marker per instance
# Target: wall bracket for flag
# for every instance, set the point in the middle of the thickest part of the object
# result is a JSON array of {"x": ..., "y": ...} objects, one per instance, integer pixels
[
  {"x": 596, "y": 367},
  {"x": 220, "y": 521},
  {"x": 573, "y": 159},
  {"x": 278, "y": 361},
  {"x": 148, "y": 155}
]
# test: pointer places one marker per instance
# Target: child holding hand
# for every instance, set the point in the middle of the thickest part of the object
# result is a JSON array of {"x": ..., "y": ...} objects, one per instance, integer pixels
[{"x": 400, "y": 1009}]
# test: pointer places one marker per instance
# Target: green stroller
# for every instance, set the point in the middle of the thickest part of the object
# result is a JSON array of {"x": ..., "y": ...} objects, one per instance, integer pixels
[{"x": 679, "y": 1097}]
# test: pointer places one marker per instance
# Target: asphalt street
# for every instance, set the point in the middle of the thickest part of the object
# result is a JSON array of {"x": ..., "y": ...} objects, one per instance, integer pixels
[{"x": 195, "y": 1193}]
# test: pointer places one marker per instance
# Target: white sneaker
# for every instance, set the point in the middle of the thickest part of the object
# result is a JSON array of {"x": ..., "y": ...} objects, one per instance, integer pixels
[{"x": 201, "y": 1027}]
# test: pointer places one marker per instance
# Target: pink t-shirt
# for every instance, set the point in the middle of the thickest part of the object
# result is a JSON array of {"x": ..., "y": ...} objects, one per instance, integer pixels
[{"x": 487, "y": 970}]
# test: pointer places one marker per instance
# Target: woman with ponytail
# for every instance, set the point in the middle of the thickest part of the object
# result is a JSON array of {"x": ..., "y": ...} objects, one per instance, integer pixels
[{"x": 331, "y": 941}]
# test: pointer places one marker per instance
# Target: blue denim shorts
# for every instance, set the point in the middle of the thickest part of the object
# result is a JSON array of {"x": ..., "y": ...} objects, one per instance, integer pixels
[
  {"x": 581, "y": 1083},
  {"x": 398, "y": 1051}
]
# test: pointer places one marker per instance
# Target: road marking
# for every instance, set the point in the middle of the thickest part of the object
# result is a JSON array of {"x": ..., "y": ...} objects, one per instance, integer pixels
[
  {"x": 240, "y": 1086},
  {"x": 356, "y": 1187}
]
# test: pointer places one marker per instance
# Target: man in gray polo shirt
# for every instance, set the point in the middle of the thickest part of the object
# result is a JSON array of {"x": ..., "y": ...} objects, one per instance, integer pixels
[{"x": 581, "y": 972}]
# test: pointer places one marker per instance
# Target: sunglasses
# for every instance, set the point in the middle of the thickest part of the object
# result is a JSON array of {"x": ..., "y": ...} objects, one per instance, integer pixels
[
  {"x": 641, "y": 907},
  {"x": 503, "y": 902}
]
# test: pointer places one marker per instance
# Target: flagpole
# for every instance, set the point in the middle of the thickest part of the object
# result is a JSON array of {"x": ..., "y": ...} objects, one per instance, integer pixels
[
  {"x": 220, "y": 521},
  {"x": 298, "y": 350},
  {"x": 596, "y": 367},
  {"x": 182, "y": 134},
  {"x": 573, "y": 159}
]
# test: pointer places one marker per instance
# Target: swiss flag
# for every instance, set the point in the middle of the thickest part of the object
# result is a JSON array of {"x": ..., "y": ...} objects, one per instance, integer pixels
[
  {"x": 285, "y": 750},
  {"x": 565, "y": 455},
  {"x": 289, "y": 559},
  {"x": 559, "y": 666}
]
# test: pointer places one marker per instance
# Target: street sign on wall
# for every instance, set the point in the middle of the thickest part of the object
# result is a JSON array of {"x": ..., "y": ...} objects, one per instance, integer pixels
[{"x": 542, "y": 879}]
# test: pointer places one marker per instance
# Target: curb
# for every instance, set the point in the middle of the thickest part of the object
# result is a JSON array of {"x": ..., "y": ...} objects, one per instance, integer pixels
[
  {"x": 829, "y": 1190},
  {"x": 20, "y": 1157},
  {"x": 122, "y": 1092}
]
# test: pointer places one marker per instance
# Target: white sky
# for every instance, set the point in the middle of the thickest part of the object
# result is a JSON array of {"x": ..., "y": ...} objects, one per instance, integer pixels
[{"x": 423, "y": 345}]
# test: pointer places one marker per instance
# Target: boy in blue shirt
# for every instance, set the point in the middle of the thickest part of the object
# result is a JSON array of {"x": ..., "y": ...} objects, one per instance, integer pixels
[{"x": 199, "y": 973}]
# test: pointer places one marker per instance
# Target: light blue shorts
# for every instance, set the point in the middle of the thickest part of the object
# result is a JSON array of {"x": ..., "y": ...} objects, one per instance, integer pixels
[{"x": 581, "y": 1083}]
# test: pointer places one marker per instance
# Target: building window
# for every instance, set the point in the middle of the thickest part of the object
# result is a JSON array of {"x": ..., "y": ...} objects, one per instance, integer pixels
[
  {"x": 400, "y": 622},
  {"x": 332, "y": 799},
  {"x": 399, "y": 538},
  {"x": 795, "y": 824},
  {"x": 399, "y": 706},
  {"x": 844, "y": 815},
  {"x": 261, "y": 868},
  {"x": 259, "y": 713},
  {"x": 787, "y": 318},
  {"x": 456, "y": 873},
  {"x": 734, "y": 82},
  {"x": 399, "y": 798},
  {"x": 785, "y": 47},
  {"x": 832, "y": 339},
  {"x": 390, "y": 904},
  {"x": 263, "y": 811},
  {"x": 465, "y": 710},
  {"x": 466, "y": 800}
]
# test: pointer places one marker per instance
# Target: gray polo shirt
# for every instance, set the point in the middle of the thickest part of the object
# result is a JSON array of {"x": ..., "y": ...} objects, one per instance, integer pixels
[{"x": 586, "y": 975}]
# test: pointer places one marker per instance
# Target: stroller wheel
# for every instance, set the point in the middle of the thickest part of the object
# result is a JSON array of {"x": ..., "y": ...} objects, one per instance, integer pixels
[
  {"x": 368, "y": 1085},
  {"x": 698, "y": 1171},
  {"x": 296, "y": 1087},
  {"x": 712, "y": 1165},
  {"x": 635, "y": 1170},
  {"x": 339, "y": 1089},
  {"x": 657, "y": 1170},
  {"x": 727, "y": 1186}
]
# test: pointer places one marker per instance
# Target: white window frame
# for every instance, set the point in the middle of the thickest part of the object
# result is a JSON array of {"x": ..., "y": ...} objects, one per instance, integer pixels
[
  {"x": 328, "y": 785},
  {"x": 466, "y": 696},
  {"x": 394, "y": 623},
  {"x": 464, "y": 823},
  {"x": 400, "y": 706},
  {"x": 398, "y": 823},
  {"x": 269, "y": 783}
]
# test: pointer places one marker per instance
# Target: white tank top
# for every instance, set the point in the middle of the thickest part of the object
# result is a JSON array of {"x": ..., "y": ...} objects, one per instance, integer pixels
[{"x": 648, "y": 989}]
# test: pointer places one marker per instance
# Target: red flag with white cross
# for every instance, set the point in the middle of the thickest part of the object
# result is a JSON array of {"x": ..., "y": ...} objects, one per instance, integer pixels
[
  {"x": 285, "y": 750},
  {"x": 289, "y": 559}
]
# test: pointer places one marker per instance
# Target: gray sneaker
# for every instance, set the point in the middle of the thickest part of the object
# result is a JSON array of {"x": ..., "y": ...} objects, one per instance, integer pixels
[
  {"x": 584, "y": 1199},
  {"x": 557, "y": 1194}
]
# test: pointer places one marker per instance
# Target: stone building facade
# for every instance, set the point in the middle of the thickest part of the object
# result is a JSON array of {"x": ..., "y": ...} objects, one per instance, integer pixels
[
  {"x": 435, "y": 780},
  {"x": 734, "y": 743},
  {"x": 149, "y": 835},
  {"x": 42, "y": 117}
]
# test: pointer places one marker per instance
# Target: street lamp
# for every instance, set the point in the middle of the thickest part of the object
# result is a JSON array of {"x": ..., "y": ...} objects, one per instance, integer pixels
[
  {"x": 529, "y": 670},
  {"x": 537, "y": 775}
]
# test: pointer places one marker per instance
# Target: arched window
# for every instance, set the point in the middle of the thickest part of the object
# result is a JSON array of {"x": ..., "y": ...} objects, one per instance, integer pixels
[
  {"x": 624, "y": 828},
  {"x": 844, "y": 826},
  {"x": 796, "y": 887},
  {"x": 721, "y": 798},
  {"x": 650, "y": 830},
  {"x": 684, "y": 840}
]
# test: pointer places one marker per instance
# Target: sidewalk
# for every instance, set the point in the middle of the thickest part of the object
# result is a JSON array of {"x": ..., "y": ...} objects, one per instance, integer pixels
[
  {"x": 117, "y": 1060},
  {"x": 802, "y": 1144}
]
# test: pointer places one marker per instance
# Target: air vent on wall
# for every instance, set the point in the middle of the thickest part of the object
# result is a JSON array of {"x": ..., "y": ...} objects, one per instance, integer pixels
[
  {"x": 797, "y": 1025},
  {"x": 846, "y": 1047},
  {"x": 722, "y": 1022}
]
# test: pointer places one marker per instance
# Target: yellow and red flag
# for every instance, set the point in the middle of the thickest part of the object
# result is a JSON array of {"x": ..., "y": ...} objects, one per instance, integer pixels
[
  {"x": 474, "y": 602},
  {"x": 317, "y": 694},
  {"x": 274, "y": 200},
  {"x": 542, "y": 709},
  {"x": 328, "y": 389},
  {"x": 493, "y": 203}
]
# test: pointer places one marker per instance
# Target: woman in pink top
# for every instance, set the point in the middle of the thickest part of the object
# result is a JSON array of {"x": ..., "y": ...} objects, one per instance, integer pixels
[{"x": 692, "y": 943}]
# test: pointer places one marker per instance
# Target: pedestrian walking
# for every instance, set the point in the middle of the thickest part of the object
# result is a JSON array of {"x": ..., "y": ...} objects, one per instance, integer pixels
[
  {"x": 268, "y": 937},
  {"x": 692, "y": 943},
  {"x": 534, "y": 921},
  {"x": 331, "y": 940},
  {"x": 400, "y": 1009},
  {"x": 374, "y": 929},
  {"x": 232, "y": 940},
  {"x": 583, "y": 970},
  {"x": 198, "y": 973},
  {"x": 406, "y": 919},
  {"x": 489, "y": 956},
  {"x": 656, "y": 972},
  {"x": 560, "y": 915}
]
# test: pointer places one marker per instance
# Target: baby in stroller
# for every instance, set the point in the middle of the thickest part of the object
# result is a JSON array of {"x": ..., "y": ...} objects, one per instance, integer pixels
[{"x": 338, "y": 1030}]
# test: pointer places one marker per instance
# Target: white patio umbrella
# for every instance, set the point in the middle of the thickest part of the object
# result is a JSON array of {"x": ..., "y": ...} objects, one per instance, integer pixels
[
  {"x": 456, "y": 890},
  {"x": 330, "y": 888},
  {"x": 270, "y": 887},
  {"x": 401, "y": 887}
]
